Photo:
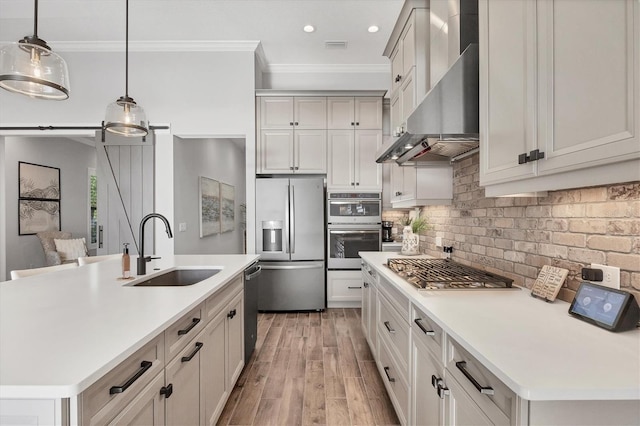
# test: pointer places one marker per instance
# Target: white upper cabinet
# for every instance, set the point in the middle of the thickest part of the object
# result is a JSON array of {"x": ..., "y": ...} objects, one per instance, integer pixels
[
  {"x": 354, "y": 113},
  {"x": 292, "y": 135},
  {"x": 287, "y": 112},
  {"x": 352, "y": 160},
  {"x": 559, "y": 94}
]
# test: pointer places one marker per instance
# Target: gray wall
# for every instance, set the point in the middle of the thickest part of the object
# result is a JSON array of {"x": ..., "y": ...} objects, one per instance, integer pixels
[
  {"x": 73, "y": 159},
  {"x": 219, "y": 159}
]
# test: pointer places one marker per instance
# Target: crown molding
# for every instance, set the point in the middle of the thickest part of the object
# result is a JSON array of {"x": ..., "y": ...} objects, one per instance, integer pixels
[
  {"x": 329, "y": 68},
  {"x": 156, "y": 46}
]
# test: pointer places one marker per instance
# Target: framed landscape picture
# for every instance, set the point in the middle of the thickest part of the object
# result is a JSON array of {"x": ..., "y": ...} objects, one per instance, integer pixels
[
  {"x": 209, "y": 201},
  {"x": 227, "y": 207},
  {"x": 38, "y": 198}
]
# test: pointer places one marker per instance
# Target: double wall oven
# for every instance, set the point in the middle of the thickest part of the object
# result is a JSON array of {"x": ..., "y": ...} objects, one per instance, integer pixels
[{"x": 353, "y": 225}]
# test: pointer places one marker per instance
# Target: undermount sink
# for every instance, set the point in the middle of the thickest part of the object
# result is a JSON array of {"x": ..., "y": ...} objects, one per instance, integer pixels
[{"x": 178, "y": 277}]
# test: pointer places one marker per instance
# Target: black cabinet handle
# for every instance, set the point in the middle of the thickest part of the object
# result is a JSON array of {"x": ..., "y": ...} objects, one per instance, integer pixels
[
  {"x": 366, "y": 285},
  {"x": 296, "y": 168},
  {"x": 231, "y": 314},
  {"x": 398, "y": 78},
  {"x": 353, "y": 123},
  {"x": 435, "y": 381},
  {"x": 423, "y": 328},
  {"x": 442, "y": 391},
  {"x": 184, "y": 331},
  {"x": 398, "y": 193},
  {"x": 534, "y": 155},
  {"x": 144, "y": 366},
  {"x": 487, "y": 390},
  {"x": 388, "y": 325},
  {"x": 296, "y": 123},
  {"x": 386, "y": 371},
  {"x": 357, "y": 183},
  {"x": 357, "y": 123},
  {"x": 199, "y": 345},
  {"x": 166, "y": 390},
  {"x": 353, "y": 287},
  {"x": 291, "y": 123}
]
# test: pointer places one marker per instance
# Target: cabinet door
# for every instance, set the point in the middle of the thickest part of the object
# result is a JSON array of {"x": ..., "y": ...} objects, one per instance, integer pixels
[
  {"x": 276, "y": 112},
  {"x": 183, "y": 373},
  {"x": 408, "y": 38},
  {"x": 276, "y": 151},
  {"x": 368, "y": 113},
  {"x": 368, "y": 173},
  {"x": 507, "y": 88},
  {"x": 365, "y": 313},
  {"x": 147, "y": 408},
  {"x": 340, "y": 113},
  {"x": 397, "y": 72},
  {"x": 341, "y": 159},
  {"x": 373, "y": 318},
  {"x": 409, "y": 181},
  {"x": 589, "y": 105},
  {"x": 213, "y": 366},
  {"x": 310, "y": 151},
  {"x": 461, "y": 409},
  {"x": 310, "y": 113},
  {"x": 397, "y": 182},
  {"x": 427, "y": 407},
  {"x": 408, "y": 96},
  {"x": 396, "y": 114},
  {"x": 235, "y": 342}
]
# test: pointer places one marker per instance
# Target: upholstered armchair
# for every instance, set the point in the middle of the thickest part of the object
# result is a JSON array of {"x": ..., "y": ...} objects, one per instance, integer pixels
[{"x": 51, "y": 255}]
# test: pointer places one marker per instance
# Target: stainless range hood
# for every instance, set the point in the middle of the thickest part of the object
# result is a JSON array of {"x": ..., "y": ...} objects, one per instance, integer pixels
[{"x": 445, "y": 123}]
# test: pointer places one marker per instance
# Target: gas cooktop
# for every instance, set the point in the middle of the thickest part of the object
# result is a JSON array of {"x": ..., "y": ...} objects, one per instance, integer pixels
[{"x": 445, "y": 274}]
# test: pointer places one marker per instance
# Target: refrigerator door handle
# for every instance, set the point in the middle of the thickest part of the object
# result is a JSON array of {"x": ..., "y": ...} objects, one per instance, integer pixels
[
  {"x": 292, "y": 216},
  {"x": 276, "y": 267},
  {"x": 286, "y": 220}
]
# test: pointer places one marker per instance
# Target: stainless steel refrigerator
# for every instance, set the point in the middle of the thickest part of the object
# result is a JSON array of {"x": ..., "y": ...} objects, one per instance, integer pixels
[{"x": 290, "y": 240}]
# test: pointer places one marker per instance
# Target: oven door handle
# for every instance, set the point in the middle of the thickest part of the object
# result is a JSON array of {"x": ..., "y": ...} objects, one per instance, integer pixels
[{"x": 373, "y": 231}]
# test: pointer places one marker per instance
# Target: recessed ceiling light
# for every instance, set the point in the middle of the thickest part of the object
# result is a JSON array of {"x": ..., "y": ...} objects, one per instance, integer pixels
[
  {"x": 309, "y": 28},
  {"x": 373, "y": 29}
]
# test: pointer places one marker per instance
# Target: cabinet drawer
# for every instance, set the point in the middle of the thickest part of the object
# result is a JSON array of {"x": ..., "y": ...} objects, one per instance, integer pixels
[
  {"x": 182, "y": 331},
  {"x": 100, "y": 405},
  {"x": 345, "y": 289},
  {"x": 396, "y": 332},
  {"x": 394, "y": 382},
  {"x": 217, "y": 301},
  {"x": 493, "y": 397},
  {"x": 427, "y": 331},
  {"x": 395, "y": 296}
]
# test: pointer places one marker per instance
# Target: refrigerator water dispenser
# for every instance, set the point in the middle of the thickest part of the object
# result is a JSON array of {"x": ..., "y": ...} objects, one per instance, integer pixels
[{"x": 272, "y": 235}]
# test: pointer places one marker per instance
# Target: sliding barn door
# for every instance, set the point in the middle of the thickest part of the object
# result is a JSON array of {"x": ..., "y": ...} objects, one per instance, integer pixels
[{"x": 125, "y": 191}]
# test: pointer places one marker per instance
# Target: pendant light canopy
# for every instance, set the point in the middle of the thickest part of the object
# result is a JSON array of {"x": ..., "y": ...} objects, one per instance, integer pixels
[
  {"x": 30, "y": 67},
  {"x": 124, "y": 117}
]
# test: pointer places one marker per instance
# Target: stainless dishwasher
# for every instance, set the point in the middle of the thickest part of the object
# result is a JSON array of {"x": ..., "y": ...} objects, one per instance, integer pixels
[{"x": 251, "y": 278}]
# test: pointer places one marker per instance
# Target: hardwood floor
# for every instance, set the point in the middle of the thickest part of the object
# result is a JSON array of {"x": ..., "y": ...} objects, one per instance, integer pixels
[{"x": 310, "y": 368}]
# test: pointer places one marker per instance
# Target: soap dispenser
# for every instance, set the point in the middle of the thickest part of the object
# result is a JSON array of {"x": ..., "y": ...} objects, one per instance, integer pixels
[{"x": 126, "y": 262}]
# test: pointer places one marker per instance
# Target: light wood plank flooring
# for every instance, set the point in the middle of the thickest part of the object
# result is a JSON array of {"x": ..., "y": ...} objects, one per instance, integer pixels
[{"x": 310, "y": 368}]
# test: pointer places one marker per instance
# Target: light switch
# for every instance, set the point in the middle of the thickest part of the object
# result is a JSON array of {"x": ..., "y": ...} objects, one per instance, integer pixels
[
  {"x": 182, "y": 227},
  {"x": 438, "y": 241}
]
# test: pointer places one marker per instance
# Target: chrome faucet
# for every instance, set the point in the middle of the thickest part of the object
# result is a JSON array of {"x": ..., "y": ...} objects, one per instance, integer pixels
[{"x": 142, "y": 260}]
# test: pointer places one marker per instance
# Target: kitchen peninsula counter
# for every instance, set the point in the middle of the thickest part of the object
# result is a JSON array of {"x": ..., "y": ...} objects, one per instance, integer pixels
[
  {"x": 62, "y": 331},
  {"x": 536, "y": 348}
]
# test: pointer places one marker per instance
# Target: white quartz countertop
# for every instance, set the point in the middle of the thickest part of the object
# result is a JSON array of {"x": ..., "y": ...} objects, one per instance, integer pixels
[
  {"x": 536, "y": 348},
  {"x": 61, "y": 331}
]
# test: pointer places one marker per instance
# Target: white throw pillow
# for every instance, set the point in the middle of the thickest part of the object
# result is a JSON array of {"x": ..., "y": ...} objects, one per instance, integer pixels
[{"x": 70, "y": 249}]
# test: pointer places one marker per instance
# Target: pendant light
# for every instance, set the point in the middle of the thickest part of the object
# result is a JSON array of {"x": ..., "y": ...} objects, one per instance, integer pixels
[
  {"x": 31, "y": 68},
  {"x": 124, "y": 117}
]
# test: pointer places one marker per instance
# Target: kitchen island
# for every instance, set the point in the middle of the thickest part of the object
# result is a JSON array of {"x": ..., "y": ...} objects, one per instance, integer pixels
[
  {"x": 547, "y": 365},
  {"x": 61, "y": 332}
]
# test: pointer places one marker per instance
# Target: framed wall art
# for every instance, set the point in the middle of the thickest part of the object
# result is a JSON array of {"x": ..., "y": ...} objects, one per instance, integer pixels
[
  {"x": 38, "y": 198},
  {"x": 227, "y": 207},
  {"x": 209, "y": 201}
]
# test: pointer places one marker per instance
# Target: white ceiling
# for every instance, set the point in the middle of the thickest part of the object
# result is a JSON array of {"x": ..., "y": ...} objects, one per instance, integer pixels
[{"x": 277, "y": 24}]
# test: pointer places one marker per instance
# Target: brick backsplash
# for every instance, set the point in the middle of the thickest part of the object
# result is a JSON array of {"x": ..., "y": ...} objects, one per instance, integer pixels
[{"x": 516, "y": 236}]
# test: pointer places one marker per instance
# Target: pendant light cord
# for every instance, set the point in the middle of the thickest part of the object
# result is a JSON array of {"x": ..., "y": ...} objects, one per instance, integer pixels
[
  {"x": 35, "y": 20},
  {"x": 126, "y": 54}
]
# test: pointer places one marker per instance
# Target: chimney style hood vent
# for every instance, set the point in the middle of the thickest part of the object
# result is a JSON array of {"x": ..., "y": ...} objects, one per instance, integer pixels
[{"x": 445, "y": 123}]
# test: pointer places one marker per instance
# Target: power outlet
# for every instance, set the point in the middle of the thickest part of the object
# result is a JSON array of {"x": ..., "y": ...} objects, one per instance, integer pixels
[
  {"x": 182, "y": 227},
  {"x": 610, "y": 275},
  {"x": 438, "y": 241}
]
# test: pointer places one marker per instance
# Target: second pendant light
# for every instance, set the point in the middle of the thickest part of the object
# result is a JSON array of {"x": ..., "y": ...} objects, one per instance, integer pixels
[{"x": 124, "y": 116}]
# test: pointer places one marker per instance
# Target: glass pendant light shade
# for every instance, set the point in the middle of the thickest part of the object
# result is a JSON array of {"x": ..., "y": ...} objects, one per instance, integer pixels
[
  {"x": 125, "y": 117},
  {"x": 31, "y": 68}
]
